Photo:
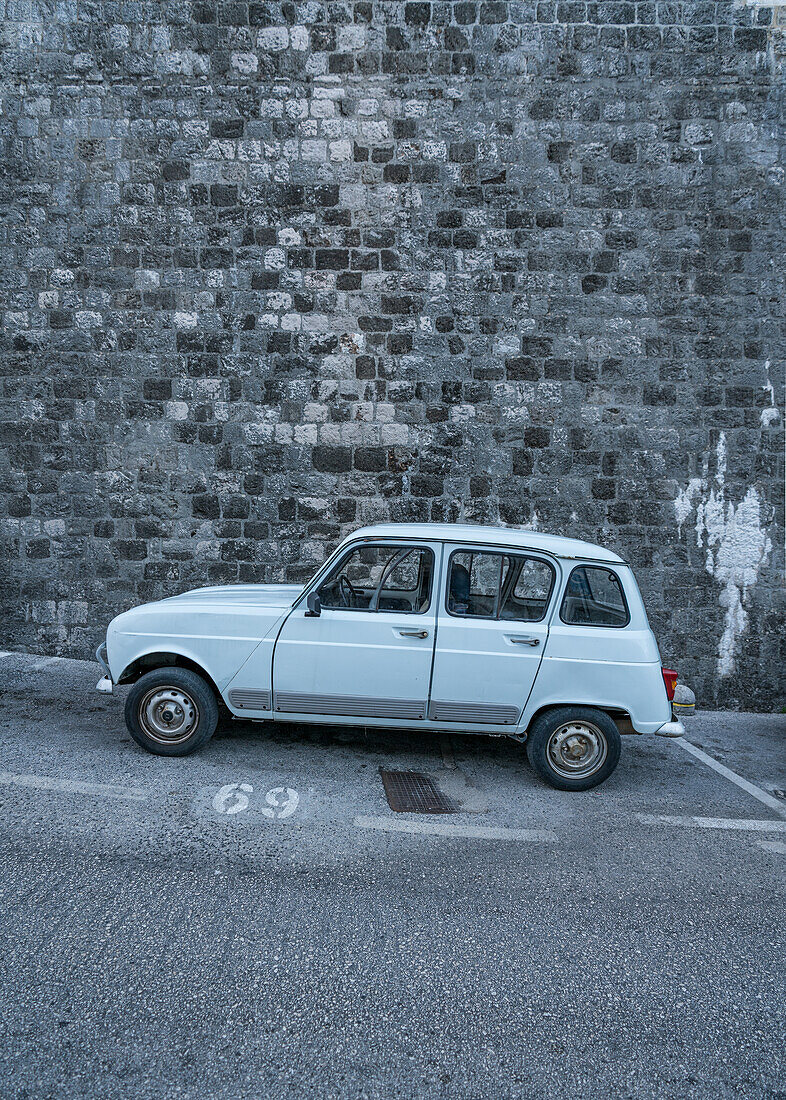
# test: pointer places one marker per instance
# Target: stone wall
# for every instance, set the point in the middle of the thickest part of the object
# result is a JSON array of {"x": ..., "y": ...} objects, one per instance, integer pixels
[{"x": 273, "y": 270}]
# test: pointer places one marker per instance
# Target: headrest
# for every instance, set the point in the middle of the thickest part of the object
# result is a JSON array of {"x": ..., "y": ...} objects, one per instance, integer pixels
[{"x": 459, "y": 583}]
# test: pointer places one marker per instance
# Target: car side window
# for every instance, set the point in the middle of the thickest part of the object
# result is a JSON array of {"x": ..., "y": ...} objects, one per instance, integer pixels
[
  {"x": 529, "y": 590},
  {"x": 487, "y": 585},
  {"x": 594, "y": 596},
  {"x": 380, "y": 578}
]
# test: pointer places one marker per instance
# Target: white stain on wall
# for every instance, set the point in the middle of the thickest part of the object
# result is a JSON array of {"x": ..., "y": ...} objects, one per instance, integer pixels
[
  {"x": 736, "y": 545},
  {"x": 770, "y": 415},
  {"x": 684, "y": 502}
]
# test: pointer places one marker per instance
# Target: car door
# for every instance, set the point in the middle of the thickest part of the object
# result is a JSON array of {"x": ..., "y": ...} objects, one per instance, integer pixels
[
  {"x": 368, "y": 653},
  {"x": 492, "y": 633}
]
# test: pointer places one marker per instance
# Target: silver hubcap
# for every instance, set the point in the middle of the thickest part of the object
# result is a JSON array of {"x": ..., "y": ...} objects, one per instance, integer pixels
[
  {"x": 576, "y": 750},
  {"x": 168, "y": 715}
]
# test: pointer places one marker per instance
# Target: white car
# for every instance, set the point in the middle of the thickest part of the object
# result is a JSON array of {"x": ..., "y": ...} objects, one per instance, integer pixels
[{"x": 425, "y": 626}]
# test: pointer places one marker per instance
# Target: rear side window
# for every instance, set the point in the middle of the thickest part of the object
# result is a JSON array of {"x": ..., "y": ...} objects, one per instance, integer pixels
[
  {"x": 594, "y": 597},
  {"x": 485, "y": 585}
]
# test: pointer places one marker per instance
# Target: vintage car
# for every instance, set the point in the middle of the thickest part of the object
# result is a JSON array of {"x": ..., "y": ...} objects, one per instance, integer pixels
[{"x": 426, "y": 626}]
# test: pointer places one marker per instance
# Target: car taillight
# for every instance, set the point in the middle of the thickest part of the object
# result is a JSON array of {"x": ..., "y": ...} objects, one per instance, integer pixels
[{"x": 670, "y": 680}]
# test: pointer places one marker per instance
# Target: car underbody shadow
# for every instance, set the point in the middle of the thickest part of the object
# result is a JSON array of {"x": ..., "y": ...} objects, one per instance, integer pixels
[{"x": 386, "y": 742}]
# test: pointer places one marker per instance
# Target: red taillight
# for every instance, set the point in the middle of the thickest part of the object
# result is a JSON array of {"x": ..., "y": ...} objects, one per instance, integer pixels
[{"x": 670, "y": 680}]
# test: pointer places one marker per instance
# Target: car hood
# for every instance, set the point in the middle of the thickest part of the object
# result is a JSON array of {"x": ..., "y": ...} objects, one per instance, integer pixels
[{"x": 269, "y": 595}]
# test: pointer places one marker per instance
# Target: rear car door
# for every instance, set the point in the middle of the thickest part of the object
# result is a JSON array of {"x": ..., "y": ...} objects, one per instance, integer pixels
[
  {"x": 368, "y": 654},
  {"x": 492, "y": 633}
]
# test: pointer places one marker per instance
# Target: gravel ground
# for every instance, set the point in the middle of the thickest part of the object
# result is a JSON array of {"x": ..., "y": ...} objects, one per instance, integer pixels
[{"x": 155, "y": 946}]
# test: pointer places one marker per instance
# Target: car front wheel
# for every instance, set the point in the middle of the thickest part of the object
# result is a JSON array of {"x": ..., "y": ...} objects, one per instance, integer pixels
[
  {"x": 171, "y": 711},
  {"x": 574, "y": 748}
]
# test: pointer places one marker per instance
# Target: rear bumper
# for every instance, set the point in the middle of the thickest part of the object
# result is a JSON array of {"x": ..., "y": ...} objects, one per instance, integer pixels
[{"x": 671, "y": 729}]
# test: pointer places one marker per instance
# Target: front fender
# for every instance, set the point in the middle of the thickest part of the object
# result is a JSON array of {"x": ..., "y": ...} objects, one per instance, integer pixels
[
  {"x": 220, "y": 660},
  {"x": 216, "y": 636},
  {"x": 220, "y": 655}
]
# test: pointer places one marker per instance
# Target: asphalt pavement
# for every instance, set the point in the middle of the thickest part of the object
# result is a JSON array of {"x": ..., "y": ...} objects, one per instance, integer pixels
[{"x": 254, "y": 921}]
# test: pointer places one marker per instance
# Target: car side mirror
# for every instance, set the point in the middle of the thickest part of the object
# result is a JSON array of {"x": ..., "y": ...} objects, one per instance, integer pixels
[{"x": 314, "y": 605}]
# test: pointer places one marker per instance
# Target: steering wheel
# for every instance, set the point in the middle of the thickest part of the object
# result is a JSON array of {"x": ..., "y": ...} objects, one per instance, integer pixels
[{"x": 347, "y": 592}]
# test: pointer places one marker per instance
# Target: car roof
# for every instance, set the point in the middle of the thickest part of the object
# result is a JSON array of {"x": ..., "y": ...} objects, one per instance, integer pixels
[{"x": 512, "y": 537}]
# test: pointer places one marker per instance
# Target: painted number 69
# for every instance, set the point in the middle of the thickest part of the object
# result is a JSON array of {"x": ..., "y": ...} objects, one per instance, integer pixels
[
  {"x": 281, "y": 802},
  {"x": 232, "y": 798}
]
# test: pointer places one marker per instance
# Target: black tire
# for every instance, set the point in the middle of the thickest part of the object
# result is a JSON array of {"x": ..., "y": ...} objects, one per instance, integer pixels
[
  {"x": 171, "y": 711},
  {"x": 574, "y": 760}
]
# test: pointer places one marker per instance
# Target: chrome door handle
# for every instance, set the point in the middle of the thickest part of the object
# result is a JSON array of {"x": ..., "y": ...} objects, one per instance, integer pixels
[
  {"x": 525, "y": 641},
  {"x": 413, "y": 633}
]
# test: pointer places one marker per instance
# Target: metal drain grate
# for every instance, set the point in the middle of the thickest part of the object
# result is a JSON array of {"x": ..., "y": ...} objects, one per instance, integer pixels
[{"x": 413, "y": 792}]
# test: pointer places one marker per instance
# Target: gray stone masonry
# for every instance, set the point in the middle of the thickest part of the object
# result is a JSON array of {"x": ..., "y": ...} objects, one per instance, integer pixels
[{"x": 274, "y": 270}]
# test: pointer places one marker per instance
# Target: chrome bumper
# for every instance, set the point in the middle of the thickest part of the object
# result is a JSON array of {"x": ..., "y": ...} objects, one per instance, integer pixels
[
  {"x": 104, "y": 685},
  {"x": 671, "y": 729}
]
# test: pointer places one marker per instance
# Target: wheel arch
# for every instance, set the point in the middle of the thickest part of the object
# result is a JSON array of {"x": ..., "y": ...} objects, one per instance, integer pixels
[
  {"x": 620, "y": 716},
  {"x": 148, "y": 662}
]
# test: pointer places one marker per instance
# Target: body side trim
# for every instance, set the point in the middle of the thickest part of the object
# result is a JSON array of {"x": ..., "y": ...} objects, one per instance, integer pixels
[
  {"x": 352, "y": 705},
  {"x": 248, "y": 699},
  {"x": 484, "y": 713}
]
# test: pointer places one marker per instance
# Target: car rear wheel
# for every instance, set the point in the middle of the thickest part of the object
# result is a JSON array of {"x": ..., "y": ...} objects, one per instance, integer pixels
[
  {"x": 171, "y": 711},
  {"x": 574, "y": 748}
]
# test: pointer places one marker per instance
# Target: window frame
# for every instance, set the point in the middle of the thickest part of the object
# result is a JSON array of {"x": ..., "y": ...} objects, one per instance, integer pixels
[
  {"x": 400, "y": 551},
  {"x": 604, "y": 568},
  {"x": 502, "y": 552}
]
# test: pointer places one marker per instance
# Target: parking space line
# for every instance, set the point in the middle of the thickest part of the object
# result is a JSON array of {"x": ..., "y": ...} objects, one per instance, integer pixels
[
  {"x": 72, "y": 786},
  {"x": 777, "y": 846},
  {"x": 42, "y": 662},
  {"x": 438, "y": 828},
  {"x": 746, "y": 824},
  {"x": 727, "y": 773}
]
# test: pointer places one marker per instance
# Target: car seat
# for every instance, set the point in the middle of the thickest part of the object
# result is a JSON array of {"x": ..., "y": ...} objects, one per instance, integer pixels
[{"x": 458, "y": 591}]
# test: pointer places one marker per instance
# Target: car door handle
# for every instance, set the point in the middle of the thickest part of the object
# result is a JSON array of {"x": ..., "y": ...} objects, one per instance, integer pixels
[
  {"x": 413, "y": 633},
  {"x": 524, "y": 641}
]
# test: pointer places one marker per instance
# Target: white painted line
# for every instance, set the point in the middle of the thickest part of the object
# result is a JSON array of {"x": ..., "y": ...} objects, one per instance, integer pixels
[
  {"x": 3, "y": 654},
  {"x": 72, "y": 786},
  {"x": 42, "y": 662},
  {"x": 727, "y": 773},
  {"x": 439, "y": 828},
  {"x": 777, "y": 846},
  {"x": 743, "y": 823}
]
